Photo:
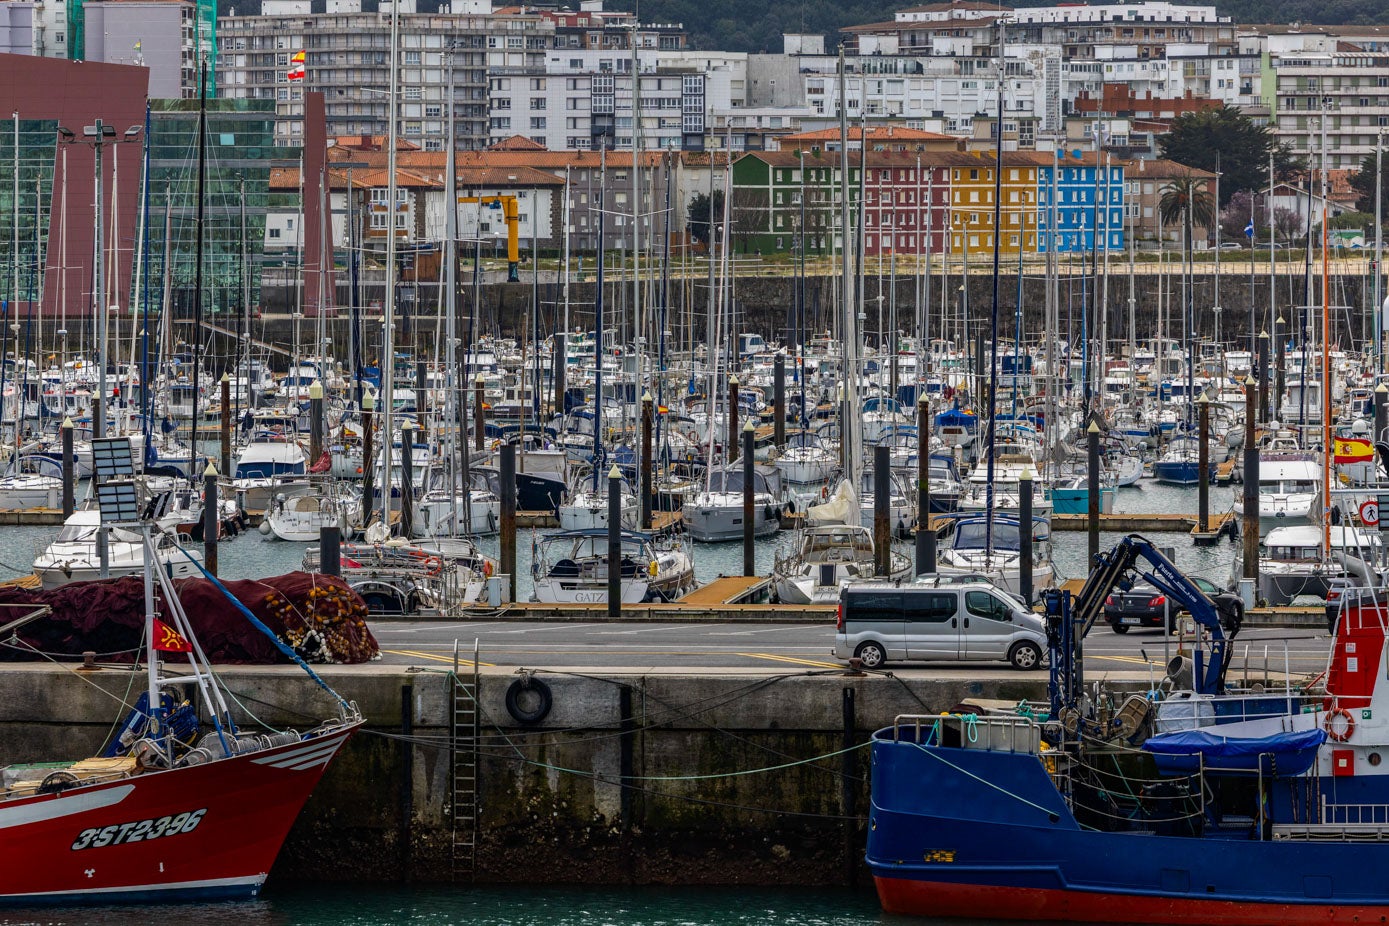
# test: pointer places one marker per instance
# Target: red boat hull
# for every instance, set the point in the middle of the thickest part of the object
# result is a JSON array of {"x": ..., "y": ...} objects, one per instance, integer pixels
[
  {"x": 199, "y": 832},
  {"x": 974, "y": 901}
]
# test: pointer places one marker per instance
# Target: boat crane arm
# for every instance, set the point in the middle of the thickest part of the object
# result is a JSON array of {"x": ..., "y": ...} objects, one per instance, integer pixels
[{"x": 1070, "y": 619}]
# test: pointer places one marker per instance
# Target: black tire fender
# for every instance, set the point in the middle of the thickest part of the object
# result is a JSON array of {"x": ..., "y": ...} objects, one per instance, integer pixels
[{"x": 541, "y": 694}]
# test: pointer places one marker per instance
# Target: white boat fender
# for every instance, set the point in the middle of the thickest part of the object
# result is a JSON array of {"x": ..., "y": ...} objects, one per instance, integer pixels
[
  {"x": 529, "y": 700},
  {"x": 264, "y": 527}
]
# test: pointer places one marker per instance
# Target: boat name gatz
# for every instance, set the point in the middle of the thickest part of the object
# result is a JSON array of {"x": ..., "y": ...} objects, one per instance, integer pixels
[{"x": 117, "y": 834}]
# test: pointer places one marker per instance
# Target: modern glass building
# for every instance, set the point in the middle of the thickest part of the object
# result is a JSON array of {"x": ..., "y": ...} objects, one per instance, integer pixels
[
  {"x": 239, "y": 156},
  {"x": 27, "y": 159}
]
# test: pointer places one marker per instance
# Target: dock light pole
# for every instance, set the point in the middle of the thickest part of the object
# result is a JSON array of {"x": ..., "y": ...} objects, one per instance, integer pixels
[
  {"x": 882, "y": 497},
  {"x": 315, "y": 421},
  {"x": 507, "y": 471},
  {"x": 1263, "y": 378},
  {"x": 925, "y": 532},
  {"x": 646, "y": 461},
  {"x": 779, "y": 400},
  {"x": 1092, "y": 434},
  {"x": 211, "y": 518},
  {"x": 368, "y": 457},
  {"x": 749, "y": 568},
  {"x": 225, "y": 383},
  {"x": 98, "y": 135},
  {"x": 614, "y": 542},
  {"x": 1025, "y": 535},
  {"x": 1250, "y": 528},
  {"x": 1203, "y": 462},
  {"x": 1279, "y": 350},
  {"x": 478, "y": 425},
  {"x": 70, "y": 467},
  {"x": 731, "y": 449}
]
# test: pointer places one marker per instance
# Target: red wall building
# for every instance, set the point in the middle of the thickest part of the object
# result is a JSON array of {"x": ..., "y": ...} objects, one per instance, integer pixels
[{"x": 75, "y": 94}]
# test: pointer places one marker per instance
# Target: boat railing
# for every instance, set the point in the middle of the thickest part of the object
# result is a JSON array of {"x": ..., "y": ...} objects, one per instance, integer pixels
[
  {"x": 1340, "y": 822},
  {"x": 998, "y": 733}
]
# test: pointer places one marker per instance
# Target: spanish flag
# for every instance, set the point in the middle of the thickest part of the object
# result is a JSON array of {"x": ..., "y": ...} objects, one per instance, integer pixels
[
  {"x": 1353, "y": 450},
  {"x": 296, "y": 66}
]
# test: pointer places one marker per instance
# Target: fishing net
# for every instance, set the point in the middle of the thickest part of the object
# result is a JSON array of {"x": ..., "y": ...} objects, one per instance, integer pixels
[{"x": 318, "y": 616}]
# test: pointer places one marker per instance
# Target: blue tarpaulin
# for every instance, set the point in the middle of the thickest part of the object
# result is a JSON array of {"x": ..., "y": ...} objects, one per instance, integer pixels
[{"x": 1186, "y": 751}]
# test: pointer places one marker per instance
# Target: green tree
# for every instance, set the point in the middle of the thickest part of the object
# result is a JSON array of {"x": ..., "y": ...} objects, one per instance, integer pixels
[
  {"x": 698, "y": 215},
  {"x": 1224, "y": 140},
  {"x": 1363, "y": 182}
]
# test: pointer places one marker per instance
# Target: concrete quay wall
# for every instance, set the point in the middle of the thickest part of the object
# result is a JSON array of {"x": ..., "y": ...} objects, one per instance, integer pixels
[{"x": 717, "y": 791}]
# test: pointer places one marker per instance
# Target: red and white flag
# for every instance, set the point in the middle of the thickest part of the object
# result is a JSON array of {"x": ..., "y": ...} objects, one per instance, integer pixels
[{"x": 296, "y": 66}]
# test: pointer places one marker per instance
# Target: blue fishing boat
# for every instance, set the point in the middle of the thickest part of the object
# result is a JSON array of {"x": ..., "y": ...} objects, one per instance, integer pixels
[{"x": 1206, "y": 804}]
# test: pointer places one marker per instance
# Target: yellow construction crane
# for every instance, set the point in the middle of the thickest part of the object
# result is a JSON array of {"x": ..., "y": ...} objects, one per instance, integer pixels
[{"x": 511, "y": 213}]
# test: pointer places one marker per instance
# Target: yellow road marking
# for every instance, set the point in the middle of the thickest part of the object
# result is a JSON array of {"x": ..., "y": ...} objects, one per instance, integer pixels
[
  {"x": 794, "y": 660},
  {"x": 435, "y": 657},
  {"x": 1138, "y": 659}
]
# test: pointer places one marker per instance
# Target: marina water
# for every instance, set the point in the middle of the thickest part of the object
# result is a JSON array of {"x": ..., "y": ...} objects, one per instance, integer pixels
[{"x": 252, "y": 555}]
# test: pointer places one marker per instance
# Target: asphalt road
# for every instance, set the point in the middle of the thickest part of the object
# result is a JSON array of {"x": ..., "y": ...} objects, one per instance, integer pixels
[{"x": 774, "y": 648}]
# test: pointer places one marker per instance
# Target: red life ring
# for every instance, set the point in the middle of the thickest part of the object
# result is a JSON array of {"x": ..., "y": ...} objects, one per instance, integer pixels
[{"x": 1335, "y": 731}]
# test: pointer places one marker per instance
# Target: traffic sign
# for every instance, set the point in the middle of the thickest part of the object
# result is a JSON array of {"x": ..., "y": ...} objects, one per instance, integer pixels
[{"x": 1369, "y": 512}]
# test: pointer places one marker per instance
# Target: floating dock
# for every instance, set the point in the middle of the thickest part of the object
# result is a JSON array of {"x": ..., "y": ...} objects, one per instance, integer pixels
[
  {"x": 730, "y": 590},
  {"x": 47, "y": 517}
]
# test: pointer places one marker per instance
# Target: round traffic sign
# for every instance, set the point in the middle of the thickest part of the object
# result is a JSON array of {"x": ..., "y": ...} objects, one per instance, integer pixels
[{"x": 1369, "y": 512}]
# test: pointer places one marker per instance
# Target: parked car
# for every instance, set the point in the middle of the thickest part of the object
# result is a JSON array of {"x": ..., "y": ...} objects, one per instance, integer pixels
[
  {"x": 1145, "y": 606},
  {"x": 881, "y": 622}
]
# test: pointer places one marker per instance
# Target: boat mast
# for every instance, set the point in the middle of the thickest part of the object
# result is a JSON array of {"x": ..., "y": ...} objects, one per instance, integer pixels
[
  {"x": 452, "y": 424},
  {"x": 1328, "y": 448},
  {"x": 993, "y": 314},
  {"x": 387, "y": 364},
  {"x": 201, "y": 194},
  {"x": 848, "y": 408}
]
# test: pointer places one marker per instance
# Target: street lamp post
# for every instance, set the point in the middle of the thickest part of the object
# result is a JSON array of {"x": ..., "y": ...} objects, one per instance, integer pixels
[{"x": 99, "y": 135}]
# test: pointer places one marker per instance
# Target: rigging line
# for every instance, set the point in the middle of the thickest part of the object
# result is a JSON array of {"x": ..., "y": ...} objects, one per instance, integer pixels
[
  {"x": 74, "y": 672},
  {"x": 618, "y": 779}
]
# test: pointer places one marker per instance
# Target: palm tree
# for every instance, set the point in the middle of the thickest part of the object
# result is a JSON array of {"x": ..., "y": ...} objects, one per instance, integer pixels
[{"x": 1186, "y": 198}]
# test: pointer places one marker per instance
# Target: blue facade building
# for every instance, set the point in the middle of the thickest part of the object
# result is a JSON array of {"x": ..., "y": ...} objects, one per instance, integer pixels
[{"x": 1073, "y": 203}]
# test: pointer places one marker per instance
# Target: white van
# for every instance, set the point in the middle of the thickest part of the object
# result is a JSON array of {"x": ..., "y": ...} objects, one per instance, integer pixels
[{"x": 882, "y": 622}]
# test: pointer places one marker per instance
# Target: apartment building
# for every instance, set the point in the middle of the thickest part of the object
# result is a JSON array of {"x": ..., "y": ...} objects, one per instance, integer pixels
[
  {"x": 443, "y": 60},
  {"x": 157, "y": 34},
  {"x": 1331, "y": 107}
]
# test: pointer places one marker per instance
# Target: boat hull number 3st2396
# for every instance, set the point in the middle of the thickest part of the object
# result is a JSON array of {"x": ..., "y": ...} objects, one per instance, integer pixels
[{"x": 139, "y": 830}]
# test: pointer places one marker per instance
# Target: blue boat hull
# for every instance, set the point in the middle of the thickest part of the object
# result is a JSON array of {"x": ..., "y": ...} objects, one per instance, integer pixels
[
  {"x": 967, "y": 832},
  {"x": 1180, "y": 473}
]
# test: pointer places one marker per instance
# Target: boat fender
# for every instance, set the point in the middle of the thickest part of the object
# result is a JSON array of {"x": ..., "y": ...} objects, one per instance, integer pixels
[
  {"x": 264, "y": 528},
  {"x": 537, "y": 705},
  {"x": 491, "y": 520},
  {"x": 824, "y": 492},
  {"x": 1339, "y": 731}
]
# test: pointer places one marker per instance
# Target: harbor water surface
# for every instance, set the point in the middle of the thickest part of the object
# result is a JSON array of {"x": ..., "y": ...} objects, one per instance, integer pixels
[{"x": 253, "y": 555}]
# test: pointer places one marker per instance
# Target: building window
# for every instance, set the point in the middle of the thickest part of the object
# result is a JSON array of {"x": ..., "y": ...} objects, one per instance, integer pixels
[
  {"x": 537, "y": 102},
  {"x": 537, "y": 122}
]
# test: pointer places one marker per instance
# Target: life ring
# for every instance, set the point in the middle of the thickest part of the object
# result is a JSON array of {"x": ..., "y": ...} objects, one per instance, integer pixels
[
  {"x": 1334, "y": 730},
  {"x": 539, "y": 694}
]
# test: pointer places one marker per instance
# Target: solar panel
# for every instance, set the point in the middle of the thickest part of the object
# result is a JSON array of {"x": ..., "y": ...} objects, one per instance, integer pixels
[
  {"x": 119, "y": 502},
  {"x": 111, "y": 458}
]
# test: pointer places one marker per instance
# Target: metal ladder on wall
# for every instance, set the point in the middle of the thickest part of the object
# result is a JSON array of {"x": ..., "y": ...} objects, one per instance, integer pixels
[{"x": 463, "y": 761}]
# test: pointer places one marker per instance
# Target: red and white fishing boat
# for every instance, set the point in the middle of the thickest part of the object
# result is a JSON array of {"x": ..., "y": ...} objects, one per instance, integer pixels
[{"x": 175, "y": 808}]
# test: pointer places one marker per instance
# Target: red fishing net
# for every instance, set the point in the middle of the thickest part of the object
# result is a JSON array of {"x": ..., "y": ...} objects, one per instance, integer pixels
[{"x": 318, "y": 616}]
